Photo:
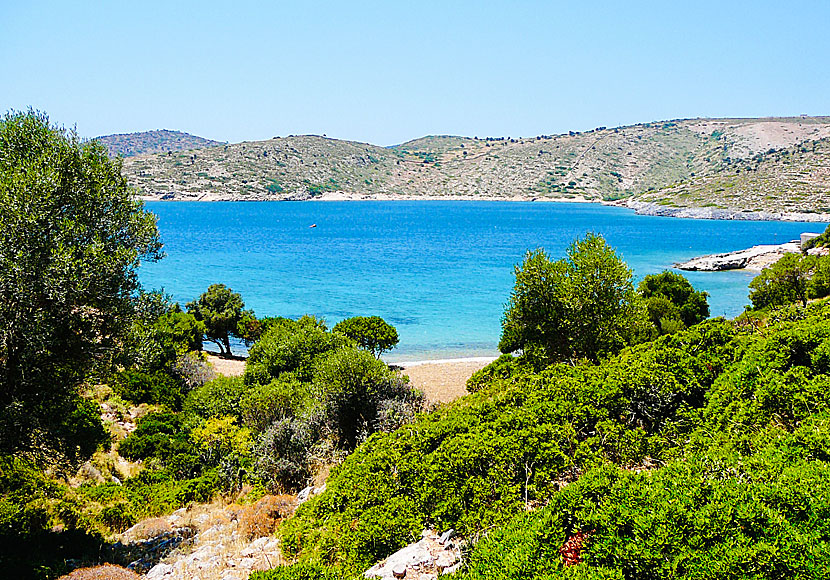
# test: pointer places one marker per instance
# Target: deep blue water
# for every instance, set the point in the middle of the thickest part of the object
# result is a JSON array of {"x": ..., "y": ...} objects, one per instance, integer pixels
[{"x": 440, "y": 272}]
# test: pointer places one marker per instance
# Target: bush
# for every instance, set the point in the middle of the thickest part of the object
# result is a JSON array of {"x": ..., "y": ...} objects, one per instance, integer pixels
[
  {"x": 282, "y": 453},
  {"x": 157, "y": 388},
  {"x": 354, "y": 387},
  {"x": 290, "y": 348},
  {"x": 282, "y": 398},
  {"x": 220, "y": 397}
]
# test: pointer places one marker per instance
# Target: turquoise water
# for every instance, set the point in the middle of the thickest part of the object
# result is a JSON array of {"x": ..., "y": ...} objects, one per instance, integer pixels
[{"x": 441, "y": 272}]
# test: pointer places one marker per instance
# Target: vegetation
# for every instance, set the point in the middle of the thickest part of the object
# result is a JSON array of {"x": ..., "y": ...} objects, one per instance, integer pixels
[
  {"x": 73, "y": 236},
  {"x": 582, "y": 306},
  {"x": 221, "y": 311},
  {"x": 793, "y": 278},
  {"x": 672, "y": 302},
  {"x": 372, "y": 333}
]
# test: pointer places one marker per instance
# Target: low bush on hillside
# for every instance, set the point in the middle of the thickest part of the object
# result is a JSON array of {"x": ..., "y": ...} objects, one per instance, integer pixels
[{"x": 698, "y": 451}]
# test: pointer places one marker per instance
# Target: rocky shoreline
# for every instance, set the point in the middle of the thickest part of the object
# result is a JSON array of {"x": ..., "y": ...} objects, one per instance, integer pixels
[
  {"x": 712, "y": 213},
  {"x": 755, "y": 258}
]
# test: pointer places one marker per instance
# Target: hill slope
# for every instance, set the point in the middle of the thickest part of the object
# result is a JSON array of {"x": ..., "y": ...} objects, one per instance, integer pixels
[
  {"x": 159, "y": 141},
  {"x": 603, "y": 164}
]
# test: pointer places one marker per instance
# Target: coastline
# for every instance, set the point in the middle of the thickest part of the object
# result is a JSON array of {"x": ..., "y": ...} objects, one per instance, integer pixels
[{"x": 639, "y": 207}]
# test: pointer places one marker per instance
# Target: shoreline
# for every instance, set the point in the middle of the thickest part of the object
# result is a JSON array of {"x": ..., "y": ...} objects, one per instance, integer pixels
[{"x": 639, "y": 207}]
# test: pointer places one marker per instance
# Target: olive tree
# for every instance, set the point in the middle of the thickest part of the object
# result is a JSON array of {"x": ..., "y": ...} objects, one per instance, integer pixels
[
  {"x": 73, "y": 237},
  {"x": 580, "y": 307}
]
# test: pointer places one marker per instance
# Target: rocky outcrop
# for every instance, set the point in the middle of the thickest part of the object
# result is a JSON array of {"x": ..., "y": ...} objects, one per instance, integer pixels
[
  {"x": 427, "y": 559},
  {"x": 755, "y": 258}
]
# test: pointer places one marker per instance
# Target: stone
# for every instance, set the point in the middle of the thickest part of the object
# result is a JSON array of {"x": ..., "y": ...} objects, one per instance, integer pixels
[
  {"x": 399, "y": 571},
  {"x": 446, "y": 536},
  {"x": 159, "y": 571},
  {"x": 305, "y": 494}
]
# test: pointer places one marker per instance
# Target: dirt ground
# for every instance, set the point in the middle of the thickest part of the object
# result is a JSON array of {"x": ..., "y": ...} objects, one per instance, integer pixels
[{"x": 442, "y": 381}]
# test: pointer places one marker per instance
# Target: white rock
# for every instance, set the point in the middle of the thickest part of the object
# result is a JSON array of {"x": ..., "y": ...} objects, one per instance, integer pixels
[{"x": 159, "y": 571}]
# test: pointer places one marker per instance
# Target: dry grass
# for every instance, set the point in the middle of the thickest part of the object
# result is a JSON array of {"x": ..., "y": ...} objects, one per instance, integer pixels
[
  {"x": 103, "y": 572},
  {"x": 263, "y": 517},
  {"x": 147, "y": 529}
]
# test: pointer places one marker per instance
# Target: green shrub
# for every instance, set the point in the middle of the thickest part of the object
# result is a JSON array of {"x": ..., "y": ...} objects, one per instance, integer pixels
[
  {"x": 290, "y": 347},
  {"x": 220, "y": 397},
  {"x": 157, "y": 388},
  {"x": 285, "y": 397}
]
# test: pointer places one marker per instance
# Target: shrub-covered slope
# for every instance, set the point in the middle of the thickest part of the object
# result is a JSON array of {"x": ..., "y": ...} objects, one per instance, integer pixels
[{"x": 702, "y": 453}]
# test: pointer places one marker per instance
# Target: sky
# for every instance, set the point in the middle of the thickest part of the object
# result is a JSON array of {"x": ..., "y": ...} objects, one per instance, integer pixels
[{"x": 387, "y": 72}]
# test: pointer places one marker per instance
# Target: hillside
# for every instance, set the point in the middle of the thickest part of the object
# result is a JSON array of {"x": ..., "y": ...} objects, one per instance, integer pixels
[
  {"x": 795, "y": 179},
  {"x": 147, "y": 142},
  {"x": 602, "y": 164}
]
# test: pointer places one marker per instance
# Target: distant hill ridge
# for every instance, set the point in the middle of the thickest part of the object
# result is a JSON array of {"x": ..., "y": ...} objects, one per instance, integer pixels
[
  {"x": 677, "y": 163},
  {"x": 159, "y": 141}
]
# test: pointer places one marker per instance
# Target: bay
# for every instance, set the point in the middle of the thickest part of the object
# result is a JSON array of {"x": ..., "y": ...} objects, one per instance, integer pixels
[{"x": 441, "y": 272}]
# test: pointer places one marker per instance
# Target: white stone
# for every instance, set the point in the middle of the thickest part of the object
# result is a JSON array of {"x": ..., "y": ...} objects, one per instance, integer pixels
[{"x": 159, "y": 571}]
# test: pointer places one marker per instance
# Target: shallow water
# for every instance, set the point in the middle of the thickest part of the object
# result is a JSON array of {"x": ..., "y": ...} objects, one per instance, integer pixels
[{"x": 440, "y": 272}]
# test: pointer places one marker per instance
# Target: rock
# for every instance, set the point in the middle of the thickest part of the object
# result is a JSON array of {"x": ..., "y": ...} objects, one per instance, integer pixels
[
  {"x": 305, "y": 494},
  {"x": 399, "y": 571},
  {"x": 446, "y": 536},
  {"x": 754, "y": 258},
  {"x": 445, "y": 561},
  {"x": 159, "y": 571}
]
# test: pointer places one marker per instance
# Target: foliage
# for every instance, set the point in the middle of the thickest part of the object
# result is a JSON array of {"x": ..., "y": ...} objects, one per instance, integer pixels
[
  {"x": 157, "y": 388},
  {"x": 474, "y": 463},
  {"x": 372, "y": 333},
  {"x": 785, "y": 282},
  {"x": 73, "y": 236},
  {"x": 303, "y": 571},
  {"x": 672, "y": 302},
  {"x": 292, "y": 346},
  {"x": 353, "y": 386},
  {"x": 582, "y": 306},
  {"x": 220, "y": 397},
  {"x": 217, "y": 437},
  {"x": 504, "y": 368},
  {"x": 221, "y": 310},
  {"x": 820, "y": 241}
]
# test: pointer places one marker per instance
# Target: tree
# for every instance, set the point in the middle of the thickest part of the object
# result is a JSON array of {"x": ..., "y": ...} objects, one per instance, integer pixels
[
  {"x": 73, "y": 236},
  {"x": 221, "y": 310},
  {"x": 371, "y": 333},
  {"x": 785, "y": 282},
  {"x": 582, "y": 306},
  {"x": 672, "y": 302}
]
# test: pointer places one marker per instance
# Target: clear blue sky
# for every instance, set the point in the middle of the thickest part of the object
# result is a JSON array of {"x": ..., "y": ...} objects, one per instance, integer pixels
[{"x": 386, "y": 72}]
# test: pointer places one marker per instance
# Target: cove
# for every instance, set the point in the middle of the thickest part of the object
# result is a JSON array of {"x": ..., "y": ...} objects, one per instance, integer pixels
[{"x": 440, "y": 271}]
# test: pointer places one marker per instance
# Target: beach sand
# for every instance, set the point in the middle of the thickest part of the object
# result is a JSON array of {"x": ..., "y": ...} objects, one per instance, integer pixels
[{"x": 441, "y": 381}]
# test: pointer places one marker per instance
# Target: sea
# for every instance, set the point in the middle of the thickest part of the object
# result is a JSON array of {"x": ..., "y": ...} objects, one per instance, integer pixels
[{"x": 441, "y": 272}]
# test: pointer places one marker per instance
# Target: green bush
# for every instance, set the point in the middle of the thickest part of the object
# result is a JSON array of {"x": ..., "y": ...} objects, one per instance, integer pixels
[
  {"x": 303, "y": 571},
  {"x": 220, "y": 397},
  {"x": 290, "y": 347},
  {"x": 475, "y": 463},
  {"x": 157, "y": 388}
]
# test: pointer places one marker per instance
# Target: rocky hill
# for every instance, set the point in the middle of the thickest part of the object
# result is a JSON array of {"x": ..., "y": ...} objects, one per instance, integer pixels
[
  {"x": 160, "y": 141},
  {"x": 653, "y": 162}
]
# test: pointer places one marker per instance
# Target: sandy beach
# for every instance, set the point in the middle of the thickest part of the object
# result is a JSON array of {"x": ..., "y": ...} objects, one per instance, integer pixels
[{"x": 441, "y": 380}]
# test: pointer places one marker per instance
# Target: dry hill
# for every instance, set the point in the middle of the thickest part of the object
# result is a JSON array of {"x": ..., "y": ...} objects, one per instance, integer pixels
[
  {"x": 160, "y": 141},
  {"x": 656, "y": 162}
]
